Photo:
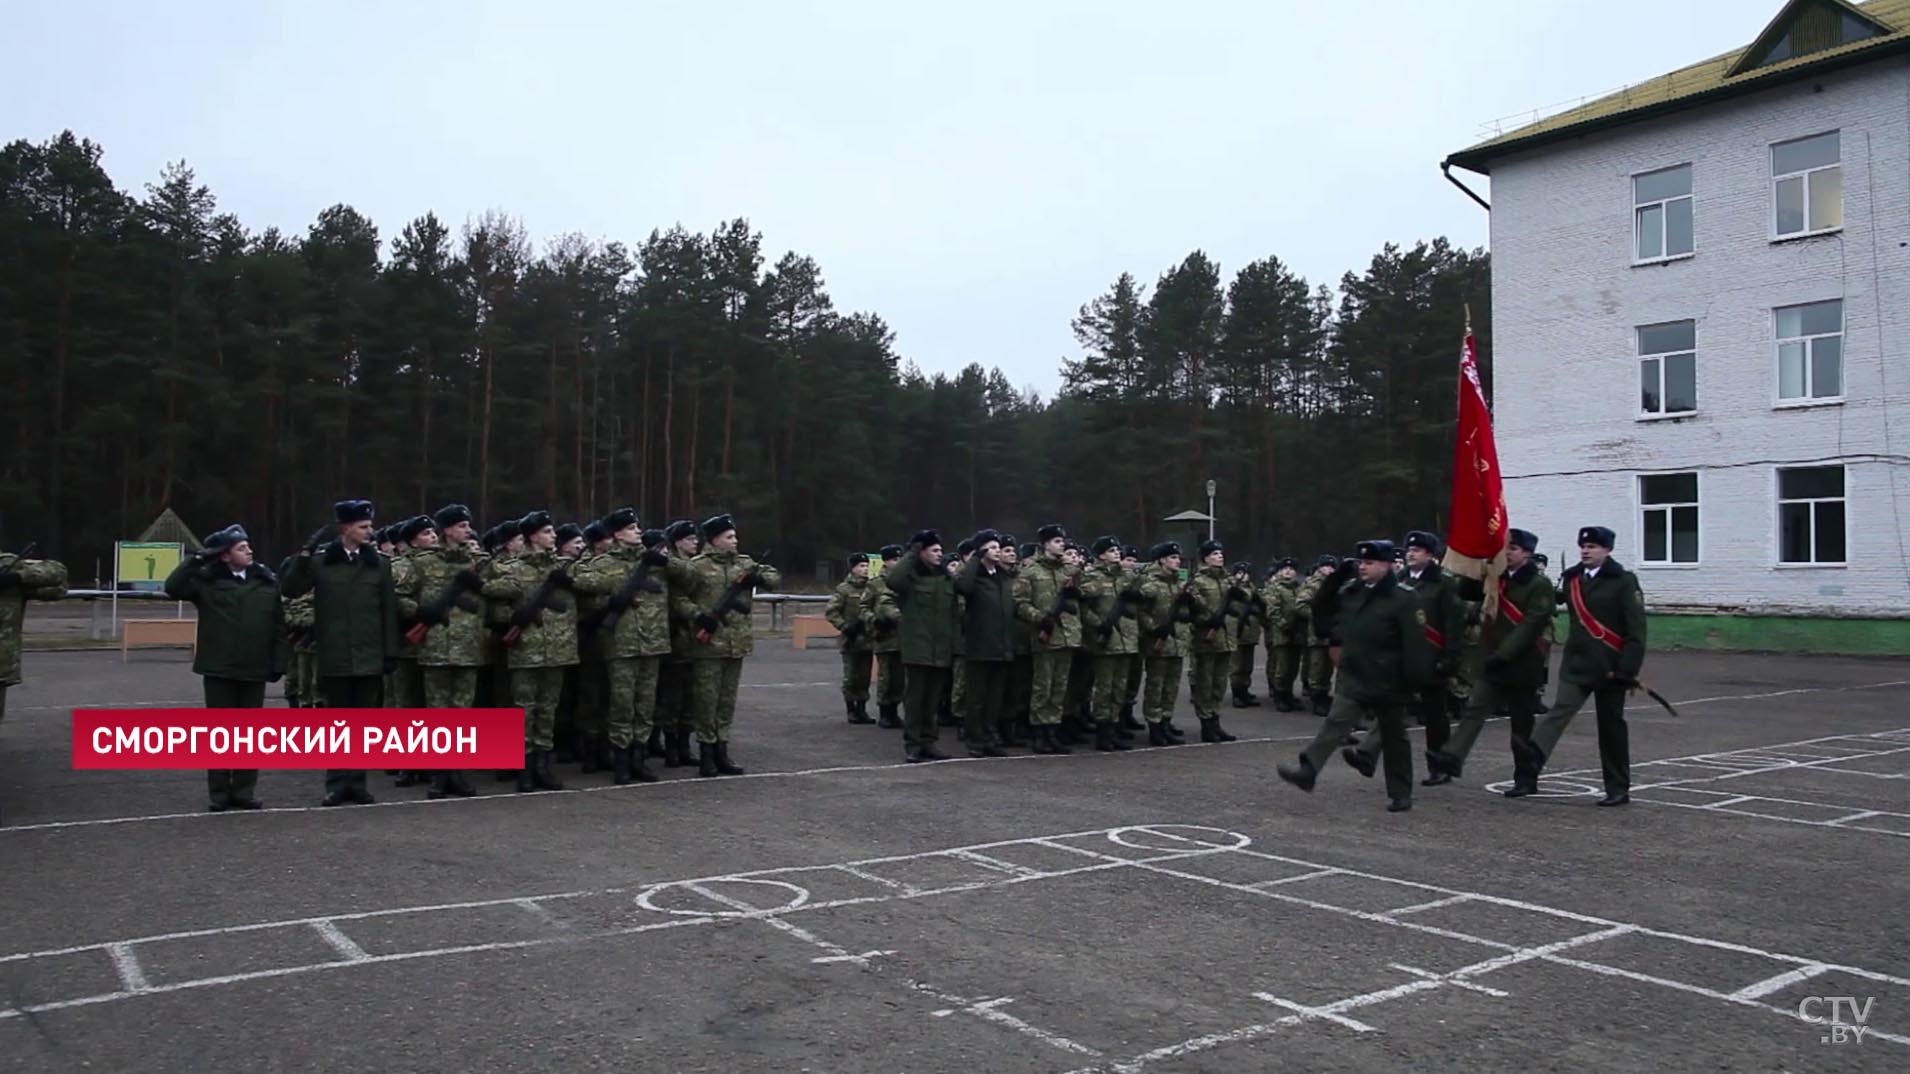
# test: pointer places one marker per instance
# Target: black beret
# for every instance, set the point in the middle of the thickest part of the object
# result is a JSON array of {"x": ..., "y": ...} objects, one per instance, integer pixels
[
  {"x": 717, "y": 526},
  {"x": 1208, "y": 548},
  {"x": 891, "y": 551},
  {"x": 926, "y": 539},
  {"x": 1163, "y": 550},
  {"x": 976, "y": 542},
  {"x": 596, "y": 532},
  {"x": 569, "y": 531},
  {"x": 1102, "y": 544},
  {"x": 508, "y": 529},
  {"x": 352, "y": 511},
  {"x": 535, "y": 521},
  {"x": 621, "y": 518},
  {"x": 409, "y": 530},
  {"x": 1132, "y": 551},
  {"x": 1374, "y": 550},
  {"x": 1598, "y": 535},
  {"x": 653, "y": 538},
  {"x": 1422, "y": 539},
  {"x": 226, "y": 538},
  {"x": 1048, "y": 533},
  {"x": 1525, "y": 539},
  {"x": 965, "y": 546},
  {"x": 1027, "y": 550},
  {"x": 451, "y": 514},
  {"x": 678, "y": 530}
]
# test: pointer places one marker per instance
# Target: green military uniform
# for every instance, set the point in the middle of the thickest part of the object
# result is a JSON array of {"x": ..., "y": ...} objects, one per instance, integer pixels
[
  {"x": 955, "y": 693},
  {"x": 301, "y": 689},
  {"x": 22, "y": 580},
  {"x": 988, "y": 629},
  {"x": 1514, "y": 643},
  {"x": 885, "y": 642},
  {"x": 546, "y": 645},
  {"x": 1046, "y": 598},
  {"x": 632, "y": 639},
  {"x": 922, "y": 600},
  {"x": 1164, "y": 638},
  {"x": 1247, "y": 630},
  {"x": 721, "y": 642},
  {"x": 590, "y": 681},
  {"x": 676, "y": 702},
  {"x": 1317, "y": 668},
  {"x": 1603, "y": 655},
  {"x": 241, "y": 647},
  {"x": 1110, "y": 602},
  {"x": 1286, "y": 639},
  {"x": 440, "y": 593},
  {"x": 1383, "y": 659},
  {"x": 845, "y": 612},
  {"x": 1215, "y": 598},
  {"x": 355, "y": 627}
]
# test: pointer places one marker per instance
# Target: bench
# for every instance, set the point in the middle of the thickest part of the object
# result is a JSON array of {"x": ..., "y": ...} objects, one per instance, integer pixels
[
  {"x": 171, "y": 632},
  {"x": 804, "y": 627}
]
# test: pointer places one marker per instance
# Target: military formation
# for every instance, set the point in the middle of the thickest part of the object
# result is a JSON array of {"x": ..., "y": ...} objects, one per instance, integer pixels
[{"x": 623, "y": 644}]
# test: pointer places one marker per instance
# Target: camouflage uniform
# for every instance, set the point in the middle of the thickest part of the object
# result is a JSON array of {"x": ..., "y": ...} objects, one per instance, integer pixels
[
  {"x": 440, "y": 592},
  {"x": 547, "y": 644},
  {"x": 22, "y": 580},
  {"x": 846, "y": 614},
  {"x": 1317, "y": 673},
  {"x": 1163, "y": 639},
  {"x": 1246, "y": 637},
  {"x": 1212, "y": 644},
  {"x": 717, "y": 657},
  {"x": 632, "y": 651},
  {"x": 301, "y": 689},
  {"x": 1286, "y": 639},
  {"x": 885, "y": 634},
  {"x": 1110, "y": 600},
  {"x": 404, "y": 688},
  {"x": 1038, "y": 591}
]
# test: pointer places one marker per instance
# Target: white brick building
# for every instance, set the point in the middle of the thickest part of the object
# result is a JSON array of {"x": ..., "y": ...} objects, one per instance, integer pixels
[{"x": 1701, "y": 317}]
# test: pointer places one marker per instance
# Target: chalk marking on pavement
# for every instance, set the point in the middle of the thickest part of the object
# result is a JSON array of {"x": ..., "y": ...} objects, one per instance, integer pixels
[
  {"x": 132, "y": 976},
  {"x": 347, "y": 948},
  {"x": 542, "y": 913}
]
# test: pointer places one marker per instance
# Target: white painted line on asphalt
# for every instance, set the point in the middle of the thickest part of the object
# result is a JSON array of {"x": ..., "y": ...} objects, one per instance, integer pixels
[
  {"x": 1780, "y": 982},
  {"x": 994, "y": 864},
  {"x": 1453, "y": 981},
  {"x": 346, "y": 947},
  {"x": 1308, "y": 1014},
  {"x": 873, "y": 878},
  {"x": 989, "y": 1010},
  {"x": 538, "y": 910},
  {"x": 1450, "y": 900},
  {"x": 1298, "y": 878},
  {"x": 132, "y": 977},
  {"x": 1792, "y": 693}
]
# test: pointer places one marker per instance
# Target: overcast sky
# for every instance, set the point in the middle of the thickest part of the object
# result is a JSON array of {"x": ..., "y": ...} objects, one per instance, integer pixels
[{"x": 973, "y": 176}]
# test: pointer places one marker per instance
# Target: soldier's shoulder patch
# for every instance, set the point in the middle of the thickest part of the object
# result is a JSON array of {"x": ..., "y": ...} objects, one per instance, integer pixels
[{"x": 1420, "y": 615}]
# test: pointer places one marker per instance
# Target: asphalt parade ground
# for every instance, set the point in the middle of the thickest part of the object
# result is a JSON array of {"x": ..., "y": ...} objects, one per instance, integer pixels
[{"x": 835, "y": 910}]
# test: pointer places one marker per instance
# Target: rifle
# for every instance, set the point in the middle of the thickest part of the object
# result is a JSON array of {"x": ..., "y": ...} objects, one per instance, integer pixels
[
  {"x": 439, "y": 610},
  {"x": 532, "y": 610},
  {"x": 1052, "y": 617},
  {"x": 620, "y": 601},
  {"x": 1117, "y": 611},
  {"x": 12, "y": 571},
  {"x": 735, "y": 599}
]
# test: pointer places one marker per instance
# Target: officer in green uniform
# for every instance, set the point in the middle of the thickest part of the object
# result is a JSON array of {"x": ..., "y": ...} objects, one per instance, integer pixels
[
  {"x": 1603, "y": 654},
  {"x": 988, "y": 627},
  {"x": 844, "y": 612},
  {"x": 885, "y": 640},
  {"x": 676, "y": 703},
  {"x": 1286, "y": 633},
  {"x": 1110, "y": 601},
  {"x": 1046, "y": 598},
  {"x": 1515, "y": 641},
  {"x": 1216, "y": 596},
  {"x": 718, "y": 604},
  {"x": 633, "y": 635},
  {"x": 440, "y": 595},
  {"x": 355, "y": 621},
  {"x": 541, "y": 643},
  {"x": 1166, "y": 611},
  {"x": 918, "y": 594},
  {"x": 1382, "y": 660},
  {"x": 1249, "y": 623},
  {"x": 1441, "y": 614},
  {"x": 241, "y": 645}
]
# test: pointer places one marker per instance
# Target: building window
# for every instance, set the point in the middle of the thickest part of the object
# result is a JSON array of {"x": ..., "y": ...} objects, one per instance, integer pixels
[
  {"x": 1810, "y": 515},
  {"x": 1810, "y": 351},
  {"x": 1668, "y": 368},
  {"x": 1808, "y": 184},
  {"x": 1670, "y": 505},
  {"x": 1661, "y": 213}
]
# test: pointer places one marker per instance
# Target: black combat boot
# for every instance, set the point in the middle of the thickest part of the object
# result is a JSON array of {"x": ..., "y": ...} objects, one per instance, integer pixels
[
  {"x": 1283, "y": 702},
  {"x": 1157, "y": 735},
  {"x": 676, "y": 749},
  {"x": 656, "y": 746},
  {"x": 542, "y": 776},
  {"x": 1014, "y": 734},
  {"x": 1122, "y": 734},
  {"x": 1300, "y": 773},
  {"x": 1527, "y": 760},
  {"x": 640, "y": 771},
  {"x": 1113, "y": 732},
  {"x": 620, "y": 764},
  {"x": 723, "y": 764},
  {"x": 1104, "y": 737},
  {"x": 706, "y": 759},
  {"x": 1207, "y": 729},
  {"x": 1362, "y": 763},
  {"x": 887, "y": 717},
  {"x": 859, "y": 712},
  {"x": 1436, "y": 773},
  {"x": 1220, "y": 733},
  {"x": 1128, "y": 722},
  {"x": 1044, "y": 739},
  {"x": 1175, "y": 736},
  {"x": 1322, "y": 705},
  {"x": 1244, "y": 699},
  {"x": 440, "y": 785},
  {"x": 526, "y": 780}
]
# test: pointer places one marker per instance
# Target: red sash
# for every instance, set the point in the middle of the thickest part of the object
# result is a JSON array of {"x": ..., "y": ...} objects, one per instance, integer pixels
[
  {"x": 1596, "y": 629},
  {"x": 1433, "y": 635},
  {"x": 1510, "y": 609}
]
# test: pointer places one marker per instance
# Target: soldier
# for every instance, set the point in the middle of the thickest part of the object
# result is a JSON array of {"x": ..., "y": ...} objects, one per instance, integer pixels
[
  {"x": 580, "y": 716},
  {"x": 950, "y": 712},
  {"x": 1164, "y": 635},
  {"x": 718, "y": 599},
  {"x": 987, "y": 591},
  {"x": 1515, "y": 640},
  {"x": 355, "y": 624},
  {"x": 1441, "y": 614},
  {"x": 1136, "y": 661},
  {"x": 1286, "y": 633},
  {"x": 241, "y": 645},
  {"x": 676, "y": 707},
  {"x": 1021, "y": 673},
  {"x": 542, "y": 640},
  {"x": 885, "y": 641},
  {"x": 918, "y": 594},
  {"x": 845, "y": 613},
  {"x": 1109, "y": 600},
  {"x": 1379, "y": 667},
  {"x": 597, "y": 539},
  {"x": 494, "y": 686},
  {"x": 1317, "y": 670},
  {"x": 1047, "y": 592},
  {"x": 404, "y": 688},
  {"x": 632, "y": 635},
  {"x": 1603, "y": 654},
  {"x": 1215, "y": 598},
  {"x": 301, "y": 688},
  {"x": 1247, "y": 630},
  {"x": 440, "y": 594}
]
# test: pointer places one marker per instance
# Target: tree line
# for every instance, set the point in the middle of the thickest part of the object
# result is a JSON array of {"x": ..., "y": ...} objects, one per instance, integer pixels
[{"x": 160, "y": 354}]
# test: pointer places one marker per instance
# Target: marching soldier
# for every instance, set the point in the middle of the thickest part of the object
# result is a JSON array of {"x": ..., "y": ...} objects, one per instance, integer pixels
[
  {"x": 1046, "y": 596},
  {"x": 1603, "y": 654},
  {"x": 845, "y": 613},
  {"x": 1165, "y": 614},
  {"x": 885, "y": 641},
  {"x": 1380, "y": 664},
  {"x": 718, "y": 599},
  {"x": 1515, "y": 640},
  {"x": 355, "y": 623},
  {"x": 1212, "y": 643},
  {"x": 1441, "y": 614},
  {"x": 918, "y": 594},
  {"x": 987, "y": 591},
  {"x": 440, "y": 595},
  {"x": 632, "y": 635},
  {"x": 1109, "y": 602},
  {"x": 1250, "y": 623},
  {"x": 21, "y": 580},
  {"x": 541, "y": 643},
  {"x": 1286, "y": 633},
  {"x": 1317, "y": 670},
  {"x": 241, "y": 645}
]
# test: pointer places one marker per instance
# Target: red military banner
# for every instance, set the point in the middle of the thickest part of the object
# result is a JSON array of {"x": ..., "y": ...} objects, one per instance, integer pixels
[
  {"x": 1475, "y": 543},
  {"x": 298, "y": 738}
]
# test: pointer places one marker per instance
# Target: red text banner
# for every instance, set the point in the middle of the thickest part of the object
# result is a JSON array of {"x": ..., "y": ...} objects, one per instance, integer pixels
[{"x": 298, "y": 738}]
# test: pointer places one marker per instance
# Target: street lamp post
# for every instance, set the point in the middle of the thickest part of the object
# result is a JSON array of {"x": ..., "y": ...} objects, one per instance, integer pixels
[{"x": 1210, "y": 508}]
